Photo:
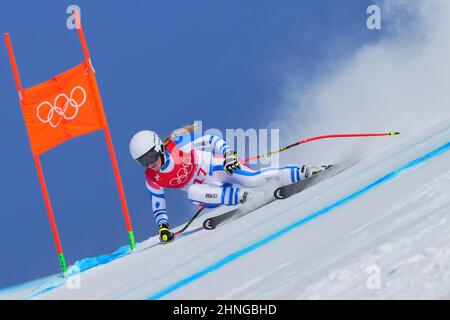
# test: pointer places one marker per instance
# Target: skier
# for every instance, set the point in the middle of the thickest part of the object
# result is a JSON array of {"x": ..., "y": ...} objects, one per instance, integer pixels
[{"x": 206, "y": 167}]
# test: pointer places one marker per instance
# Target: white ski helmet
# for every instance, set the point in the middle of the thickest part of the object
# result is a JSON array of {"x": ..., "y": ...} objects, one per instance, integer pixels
[{"x": 146, "y": 147}]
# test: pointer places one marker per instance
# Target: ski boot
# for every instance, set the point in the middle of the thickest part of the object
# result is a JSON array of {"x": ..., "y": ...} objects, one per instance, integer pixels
[{"x": 306, "y": 172}]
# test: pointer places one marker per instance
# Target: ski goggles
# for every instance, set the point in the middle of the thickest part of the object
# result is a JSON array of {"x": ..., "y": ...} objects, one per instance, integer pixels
[{"x": 148, "y": 158}]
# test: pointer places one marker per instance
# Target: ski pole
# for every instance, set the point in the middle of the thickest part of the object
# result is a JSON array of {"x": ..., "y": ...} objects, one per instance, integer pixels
[
  {"x": 329, "y": 136},
  {"x": 269, "y": 154},
  {"x": 189, "y": 222}
]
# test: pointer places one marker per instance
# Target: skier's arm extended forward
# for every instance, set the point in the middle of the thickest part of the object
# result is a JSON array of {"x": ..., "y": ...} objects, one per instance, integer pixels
[{"x": 158, "y": 201}]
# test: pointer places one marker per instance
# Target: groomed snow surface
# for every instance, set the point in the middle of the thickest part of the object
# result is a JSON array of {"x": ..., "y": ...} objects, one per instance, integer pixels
[{"x": 378, "y": 230}]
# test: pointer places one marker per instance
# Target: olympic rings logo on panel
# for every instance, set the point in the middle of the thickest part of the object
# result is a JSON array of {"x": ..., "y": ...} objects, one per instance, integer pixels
[
  {"x": 183, "y": 173},
  {"x": 63, "y": 107}
]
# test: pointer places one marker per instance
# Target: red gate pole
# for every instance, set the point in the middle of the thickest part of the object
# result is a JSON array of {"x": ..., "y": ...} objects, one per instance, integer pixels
[
  {"x": 112, "y": 154},
  {"x": 61, "y": 258}
]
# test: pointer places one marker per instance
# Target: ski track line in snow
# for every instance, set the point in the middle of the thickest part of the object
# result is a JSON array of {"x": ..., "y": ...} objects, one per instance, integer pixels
[{"x": 237, "y": 254}]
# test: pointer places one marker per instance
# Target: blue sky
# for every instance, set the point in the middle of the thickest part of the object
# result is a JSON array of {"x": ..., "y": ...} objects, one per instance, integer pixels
[{"x": 159, "y": 65}]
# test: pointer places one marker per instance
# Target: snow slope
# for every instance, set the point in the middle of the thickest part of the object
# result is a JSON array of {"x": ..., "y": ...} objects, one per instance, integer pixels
[{"x": 384, "y": 221}]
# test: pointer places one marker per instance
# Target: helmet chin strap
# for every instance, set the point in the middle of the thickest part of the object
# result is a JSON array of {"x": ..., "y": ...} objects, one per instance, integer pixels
[{"x": 163, "y": 156}]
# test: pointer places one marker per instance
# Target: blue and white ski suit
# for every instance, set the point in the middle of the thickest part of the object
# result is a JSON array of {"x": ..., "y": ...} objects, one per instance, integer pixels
[{"x": 209, "y": 185}]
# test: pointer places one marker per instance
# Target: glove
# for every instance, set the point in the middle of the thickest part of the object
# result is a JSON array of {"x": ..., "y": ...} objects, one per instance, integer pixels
[
  {"x": 165, "y": 236},
  {"x": 230, "y": 163}
]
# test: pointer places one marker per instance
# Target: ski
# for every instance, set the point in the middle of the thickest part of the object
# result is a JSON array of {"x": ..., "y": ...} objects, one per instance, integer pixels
[
  {"x": 279, "y": 194},
  {"x": 213, "y": 222},
  {"x": 291, "y": 189}
]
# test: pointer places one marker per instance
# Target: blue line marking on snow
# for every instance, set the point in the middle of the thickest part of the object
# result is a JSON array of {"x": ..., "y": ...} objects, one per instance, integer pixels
[{"x": 237, "y": 254}]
